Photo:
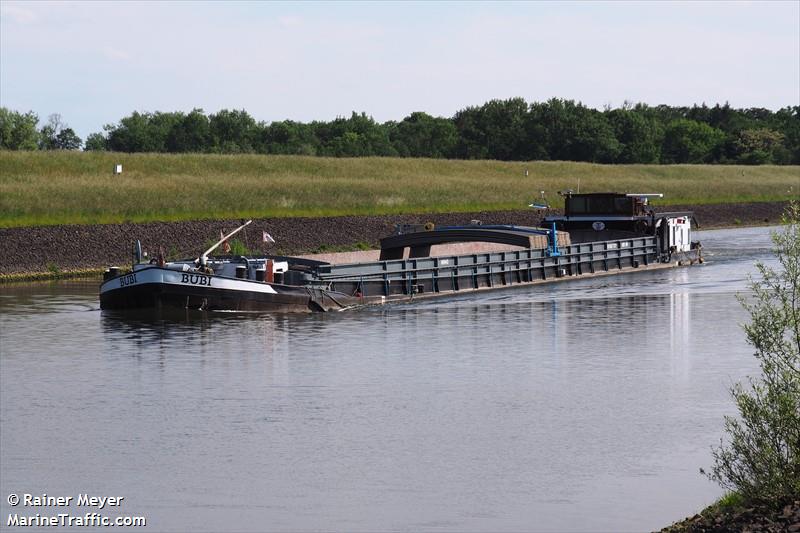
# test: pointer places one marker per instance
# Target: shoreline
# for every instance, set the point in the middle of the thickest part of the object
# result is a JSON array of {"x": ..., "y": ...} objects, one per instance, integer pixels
[
  {"x": 60, "y": 252},
  {"x": 721, "y": 517}
]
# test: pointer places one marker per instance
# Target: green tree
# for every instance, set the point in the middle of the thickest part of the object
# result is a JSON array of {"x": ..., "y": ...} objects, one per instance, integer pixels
[
  {"x": 421, "y": 135},
  {"x": 787, "y": 122},
  {"x": 761, "y": 461},
  {"x": 159, "y": 127},
  {"x": 233, "y": 131},
  {"x": 573, "y": 132},
  {"x": 47, "y": 138},
  {"x": 190, "y": 133},
  {"x": 142, "y": 132},
  {"x": 56, "y": 135},
  {"x": 504, "y": 127},
  {"x": 67, "y": 139},
  {"x": 758, "y": 147},
  {"x": 289, "y": 137},
  {"x": 133, "y": 134},
  {"x": 6, "y": 127},
  {"x": 499, "y": 129},
  {"x": 49, "y": 132},
  {"x": 472, "y": 142},
  {"x": 640, "y": 136},
  {"x": 96, "y": 142},
  {"x": 731, "y": 120},
  {"x": 356, "y": 136},
  {"x": 689, "y": 141},
  {"x": 17, "y": 130}
]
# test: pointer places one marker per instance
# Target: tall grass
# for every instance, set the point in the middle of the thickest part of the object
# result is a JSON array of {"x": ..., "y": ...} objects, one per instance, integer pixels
[{"x": 43, "y": 188}]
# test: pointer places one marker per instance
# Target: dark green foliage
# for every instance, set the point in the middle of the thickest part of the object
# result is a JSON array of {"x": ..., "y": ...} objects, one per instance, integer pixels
[
  {"x": 759, "y": 146},
  {"x": 504, "y": 123},
  {"x": 573, "y": 132},
  {"x": 509, "y": 130},
  {"x": 358, "y": 136},
  {"x": 496, "y": 130},
  {"x": 472, "y": 143},
  {"x": 47, "y": 135},
  {"x": 421, "y": 135},
  {"x": 47, "y": 138},
  {"x": 96, "y": 142},
  {"x": 689, "y": 141},
  {"x": 506, "y": 130},
  {"x": 17, "y": 130},
  {"x": 288, "y": 137},
  {"x": 761, "y": 461},
  {"x": 232, "y": 132},
  {"x": 471, "y": 135},
  {"x": 190, "y": 133},
  {"x": 56, "y": 135},
  {"x": 787, "y": 122},
  {"x": 639, "y": 135},
  {"x": 67, "y": 139},
  {"x": 140, "y": 132}
]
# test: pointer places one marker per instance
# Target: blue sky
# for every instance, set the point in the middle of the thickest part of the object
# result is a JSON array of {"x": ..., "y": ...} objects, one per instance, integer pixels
[{"x": 96, "y": 62}]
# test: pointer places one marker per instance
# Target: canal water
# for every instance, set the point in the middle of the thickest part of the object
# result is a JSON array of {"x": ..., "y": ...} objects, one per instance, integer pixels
[{"x": 579, "y": 406}]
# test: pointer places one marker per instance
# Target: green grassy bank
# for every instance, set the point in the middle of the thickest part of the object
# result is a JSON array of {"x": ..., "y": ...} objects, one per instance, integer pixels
[
  {"x": 92, "y": 274},
  {"x": 46, "y": 188}
]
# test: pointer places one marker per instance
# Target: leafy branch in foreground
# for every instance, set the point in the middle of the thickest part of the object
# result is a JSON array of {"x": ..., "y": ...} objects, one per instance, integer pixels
[{"x": 762, "y": 460}]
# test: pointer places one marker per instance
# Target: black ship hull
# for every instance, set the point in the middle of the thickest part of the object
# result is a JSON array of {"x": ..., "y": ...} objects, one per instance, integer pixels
[{"x": 158, "y": 288}]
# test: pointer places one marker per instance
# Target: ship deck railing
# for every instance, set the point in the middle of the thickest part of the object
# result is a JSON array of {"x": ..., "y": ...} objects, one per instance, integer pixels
[{"x": 487, "y": 269}]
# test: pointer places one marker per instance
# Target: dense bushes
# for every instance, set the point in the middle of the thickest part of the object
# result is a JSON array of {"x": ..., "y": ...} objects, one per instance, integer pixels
[
  {"x": 761, "y": 460},
  {"x": 507, "y": 130}
]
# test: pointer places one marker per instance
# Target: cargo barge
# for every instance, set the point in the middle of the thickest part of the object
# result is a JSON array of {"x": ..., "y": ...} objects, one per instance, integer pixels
[{"x": 598, "y": 234}]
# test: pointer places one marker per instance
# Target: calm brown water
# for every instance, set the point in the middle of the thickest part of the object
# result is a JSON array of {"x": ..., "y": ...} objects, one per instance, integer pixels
[{"x": 581, "y": 406}]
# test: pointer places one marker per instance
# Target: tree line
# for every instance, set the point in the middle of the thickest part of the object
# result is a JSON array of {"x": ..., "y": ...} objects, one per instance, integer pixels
[
  {"x": 507, "y": 130},
  {"x": 20, "y": 131}
]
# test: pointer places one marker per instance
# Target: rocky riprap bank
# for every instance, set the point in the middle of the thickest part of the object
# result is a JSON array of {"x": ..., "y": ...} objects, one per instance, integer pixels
[
  {"x": 749, "y": 519},
  {"x": 71, "y": 247}
]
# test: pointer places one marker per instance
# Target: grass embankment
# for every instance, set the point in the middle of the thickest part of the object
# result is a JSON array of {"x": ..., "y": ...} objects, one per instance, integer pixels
[
  {"x": 52, "y": 275},
  {"x": 48, "y": 188}
]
